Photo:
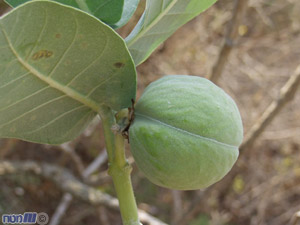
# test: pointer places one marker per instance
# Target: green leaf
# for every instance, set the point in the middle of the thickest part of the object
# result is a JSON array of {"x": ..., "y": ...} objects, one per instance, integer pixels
[
  {"x": 15, "y": 3},
  {"x": 159, "y": 21},
  {"x": 109, "y": 11},
  {"x": 58, "y": 68},
  {"x": 128, "y": 10}
]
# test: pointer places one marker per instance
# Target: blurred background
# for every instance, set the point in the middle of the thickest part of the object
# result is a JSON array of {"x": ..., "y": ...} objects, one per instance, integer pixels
[{"x": 249, "y": 48}]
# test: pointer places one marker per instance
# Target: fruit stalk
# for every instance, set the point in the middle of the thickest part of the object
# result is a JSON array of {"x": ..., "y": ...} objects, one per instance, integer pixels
[{"x": 119, "y": 170}]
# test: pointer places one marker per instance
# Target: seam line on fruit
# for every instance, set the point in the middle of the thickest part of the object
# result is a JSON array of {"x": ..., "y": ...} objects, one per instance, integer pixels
[{"x": 187, "y": 132}]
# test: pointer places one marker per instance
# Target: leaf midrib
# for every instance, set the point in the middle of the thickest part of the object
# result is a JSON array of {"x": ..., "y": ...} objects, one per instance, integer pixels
[
  {"x": 54, "y": 84},
  {"x": 152, "y": 24},
  {"x": 185, "y": 131}
]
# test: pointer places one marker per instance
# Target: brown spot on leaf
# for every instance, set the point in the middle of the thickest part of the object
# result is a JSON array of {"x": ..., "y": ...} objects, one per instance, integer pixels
[
  {"x": 48, "y": 54},
  {"x": 32, "y": 118},
  {"x": 119, "y": 65},
  {"x": 12, "y": 129},
  {"x": 67, "y": 62},
  {"x": 84, "y": 45},
  {"x": 42, "y": 54},
  {"x": 58, "y": 35}
]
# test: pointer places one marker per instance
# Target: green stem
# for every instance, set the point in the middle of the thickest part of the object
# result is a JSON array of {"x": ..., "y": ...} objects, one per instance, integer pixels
[{"x": 120, "y": 170}]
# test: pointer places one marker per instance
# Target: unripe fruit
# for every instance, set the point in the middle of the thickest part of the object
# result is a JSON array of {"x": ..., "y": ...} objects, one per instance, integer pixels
[{"x": 186, "y": 132}]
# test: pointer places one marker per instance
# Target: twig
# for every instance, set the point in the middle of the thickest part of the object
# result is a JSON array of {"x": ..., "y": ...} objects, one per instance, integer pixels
[
  {"x": 281, "y": 134},
  {"x": 67, "y": 148},
  {"x": 68, "y": 183},
  {"x": 177, "y": 206},
  {"x": 61, "y": 209},
  {"x": 98, "y": 179},
  {"x": 67, "y": 197},
  {"x": 264, "y": 16},
  {"x": 192, "y": 209},
  {"x": 296, "y": 218},
  {"x": 77, "y": 217},
  {"x": 103, "y": 215},
  {"x": 287, "y": 93},
  {"x": 286, "y": 215},
  {"x": 92, "y": 127},
  {"x": 62, "y": 178},
  {"x": 148, "y": 219},
  {"x": 239, "y": 10},
  {"x": 95, "y": 165}
]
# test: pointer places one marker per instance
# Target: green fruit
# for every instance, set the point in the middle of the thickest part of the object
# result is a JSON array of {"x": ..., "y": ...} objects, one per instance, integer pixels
[{"x": 186, "y": 132}]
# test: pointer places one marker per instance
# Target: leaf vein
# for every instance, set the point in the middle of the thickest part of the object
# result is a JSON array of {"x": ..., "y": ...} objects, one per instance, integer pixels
[
  {"x": 75, "y": 124},
  {"x": 92, "y": 63},
  {"x": 21, "y": 32},
  {"x": 54, "y": 84},
  {"x": 157, "y": 33},
  {"x": 2, "y": 47},
  {"x": 8, "y": 65},
  {"x": 39, "y": 37},
  {"x": 99, "y": 85},
  {"x": 15, "y": 23},
  {"x": 101, "y": 5},
  {"x": 12, "y": 81},
  {"x": 23, "y": 99},
  {"x": 151, "y": 25},
  {"x": 67, "y": 50},
  {"x": 56, "y": 119},
  {"x": 32, "y": 110}
]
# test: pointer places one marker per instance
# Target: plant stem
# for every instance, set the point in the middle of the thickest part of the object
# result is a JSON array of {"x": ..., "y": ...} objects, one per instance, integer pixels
[{"x": 119, "y": 170}]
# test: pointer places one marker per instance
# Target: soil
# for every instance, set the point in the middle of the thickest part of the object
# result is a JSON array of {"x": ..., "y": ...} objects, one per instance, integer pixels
[{"x": 266, "y": 189}]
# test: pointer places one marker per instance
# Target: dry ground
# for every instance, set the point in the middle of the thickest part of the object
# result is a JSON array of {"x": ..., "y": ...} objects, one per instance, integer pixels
[{"x": 266, "y": 189}]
